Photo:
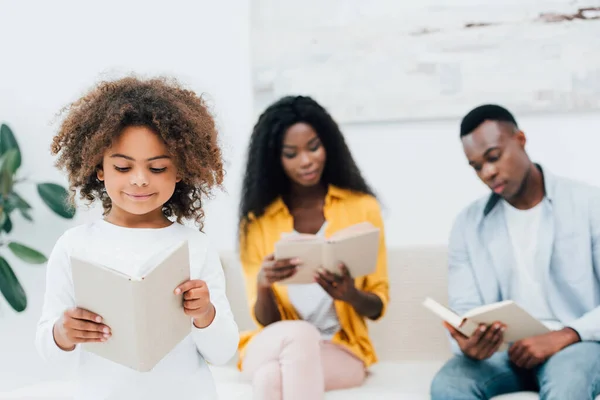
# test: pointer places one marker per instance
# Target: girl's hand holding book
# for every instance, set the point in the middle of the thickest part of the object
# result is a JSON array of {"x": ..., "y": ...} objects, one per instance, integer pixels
[
  {"x": 196, "y": 302},
  {"x": 77, "y": 325}
]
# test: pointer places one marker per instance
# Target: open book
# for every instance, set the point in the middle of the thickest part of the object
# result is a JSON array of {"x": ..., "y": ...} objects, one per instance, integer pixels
[
  {"x": 356, "y": 246},
  {"x": 146, "y": 318},
  {"x": 519, "y": 323}
]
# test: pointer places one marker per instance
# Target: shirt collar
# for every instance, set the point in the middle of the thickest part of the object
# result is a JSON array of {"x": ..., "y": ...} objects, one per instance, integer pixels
[
  {"x": 549, "y": 186},
  {"x": 333, "y": 192}
]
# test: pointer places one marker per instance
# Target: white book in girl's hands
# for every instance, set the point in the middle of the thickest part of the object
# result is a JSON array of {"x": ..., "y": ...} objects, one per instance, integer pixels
[
  {"x": 146, "y": 318},
  {"x": 519, "y": 323}
]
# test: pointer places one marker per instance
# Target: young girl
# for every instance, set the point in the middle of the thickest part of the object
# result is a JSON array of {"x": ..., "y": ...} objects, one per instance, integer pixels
[
  {"x": 301, "y": 178},
  {"x": 147, "y": 149}
]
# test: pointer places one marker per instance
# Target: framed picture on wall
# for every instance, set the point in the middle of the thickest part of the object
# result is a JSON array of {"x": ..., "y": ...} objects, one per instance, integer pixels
[{"x": 398, "y": 60}]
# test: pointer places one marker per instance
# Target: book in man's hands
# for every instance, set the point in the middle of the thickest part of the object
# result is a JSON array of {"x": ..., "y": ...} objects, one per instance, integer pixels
[
  {"x": 146, "y": 318},
  {"x": 356, "y": 246},
  {"x": 519, "y": 323}
]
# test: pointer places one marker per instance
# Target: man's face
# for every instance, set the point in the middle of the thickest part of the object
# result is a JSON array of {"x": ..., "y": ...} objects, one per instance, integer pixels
[{"x": 496, "y": 151}]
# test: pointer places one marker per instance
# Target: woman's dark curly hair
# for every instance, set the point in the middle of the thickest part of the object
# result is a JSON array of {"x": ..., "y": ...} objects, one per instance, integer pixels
[
  {"x": 177, "y": 115},
  {"x": 265, "y": 179}
]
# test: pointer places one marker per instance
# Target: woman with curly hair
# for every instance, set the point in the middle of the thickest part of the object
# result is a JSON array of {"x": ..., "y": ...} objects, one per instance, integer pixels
[
  {"x": 147, "y": 150},
  {"x": 301, "y": 178}
]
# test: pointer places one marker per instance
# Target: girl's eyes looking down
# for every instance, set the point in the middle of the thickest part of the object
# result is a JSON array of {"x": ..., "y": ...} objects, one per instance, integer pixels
[{"x": 152, "y": 169}]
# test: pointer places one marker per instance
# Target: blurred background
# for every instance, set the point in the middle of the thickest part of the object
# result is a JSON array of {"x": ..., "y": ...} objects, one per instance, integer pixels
[{"x": 396, "y": 75}]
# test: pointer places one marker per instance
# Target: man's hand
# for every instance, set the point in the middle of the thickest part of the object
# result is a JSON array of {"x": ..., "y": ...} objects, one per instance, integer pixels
[
  {"x": 78, "y": 325},
  {"x": 484, "y": 342},
  {"x": 196, "y": 302},
  {"x": 340, "y": 287},
  {"x": 531, "y": 352}
]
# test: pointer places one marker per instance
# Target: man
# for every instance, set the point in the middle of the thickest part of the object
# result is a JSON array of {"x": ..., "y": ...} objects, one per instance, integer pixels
[{"x": 534, "y": 240}]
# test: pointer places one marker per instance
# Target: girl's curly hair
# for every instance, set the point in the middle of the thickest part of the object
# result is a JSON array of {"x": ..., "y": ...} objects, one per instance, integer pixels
[{"x": 177, "y": 115}]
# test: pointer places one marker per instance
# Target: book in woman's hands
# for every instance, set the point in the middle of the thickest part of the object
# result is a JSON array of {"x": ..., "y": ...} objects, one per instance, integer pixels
[
  {"x": 519, "y": 323},
  {"x": 356, "y": 246},
  {"x": 146, "y": 318}
]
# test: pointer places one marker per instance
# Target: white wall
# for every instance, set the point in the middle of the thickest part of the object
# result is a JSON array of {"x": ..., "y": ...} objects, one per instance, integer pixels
[
  {"x": 52, "y": 52},
  {"x": 422, "y": 59},
  {"x": 50, "y": 55},
  {"x": 423, "y": 179}
]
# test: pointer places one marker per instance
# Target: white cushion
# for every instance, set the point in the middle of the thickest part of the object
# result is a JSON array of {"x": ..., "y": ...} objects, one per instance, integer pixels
[{"x": 386, "y": 380}]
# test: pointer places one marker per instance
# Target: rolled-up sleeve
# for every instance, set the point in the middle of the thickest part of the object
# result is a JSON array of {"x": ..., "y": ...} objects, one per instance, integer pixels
[{"x": 378, "y": 282}]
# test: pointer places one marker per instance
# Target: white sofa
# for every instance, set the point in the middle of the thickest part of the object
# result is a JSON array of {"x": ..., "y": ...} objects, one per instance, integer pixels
[{"x": 410, "y": 342}]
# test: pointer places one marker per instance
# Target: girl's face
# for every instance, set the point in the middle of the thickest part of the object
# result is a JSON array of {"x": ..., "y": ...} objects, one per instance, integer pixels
[
  {"x": 138, "y": 173},
  {"x": 303, "y": 155}
]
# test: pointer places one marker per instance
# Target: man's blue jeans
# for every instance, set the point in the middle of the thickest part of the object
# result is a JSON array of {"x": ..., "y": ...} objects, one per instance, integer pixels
[{"x": 573, "y": 373}]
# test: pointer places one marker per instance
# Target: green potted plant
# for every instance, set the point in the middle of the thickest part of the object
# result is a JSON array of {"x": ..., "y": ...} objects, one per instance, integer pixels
[{"x": 53, "y": 195}]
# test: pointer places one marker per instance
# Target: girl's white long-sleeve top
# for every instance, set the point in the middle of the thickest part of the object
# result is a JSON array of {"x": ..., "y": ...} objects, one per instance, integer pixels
[{"x": 184, "y": 372}]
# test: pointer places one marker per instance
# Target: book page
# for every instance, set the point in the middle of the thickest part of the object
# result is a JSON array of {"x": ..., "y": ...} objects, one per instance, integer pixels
[
  {"x": 309, "y": 252},
  {"x": 459, "y": 323},
  {"x": 109, "y": 294},
  {"x": 358, "y": 252},
  {"x": 293, "y": 236},
  {"x": 519, "y": 323},
  {"x": 444, "y": 313},
  {"x": 352, "y": 231},
  {"x": 304, "y": 246},
  {"x": 155, "y": 260},
  {"x": 488, "y": 307},
  {"x": 303, "y": 275},
  {"x": 160, "y": 320}
]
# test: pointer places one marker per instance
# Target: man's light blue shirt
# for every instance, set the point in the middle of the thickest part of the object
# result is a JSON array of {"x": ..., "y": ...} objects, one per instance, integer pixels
[{"x": 481, "y": 257}]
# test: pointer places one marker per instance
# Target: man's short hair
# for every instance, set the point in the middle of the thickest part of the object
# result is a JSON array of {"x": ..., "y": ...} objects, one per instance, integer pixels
[{"x": 486, "y": 112}]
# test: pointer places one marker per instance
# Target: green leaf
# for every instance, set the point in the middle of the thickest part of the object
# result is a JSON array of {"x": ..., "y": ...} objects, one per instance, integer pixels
[
  {"x": 8, "y": 166},
  {"x": 6, "y": 180},
  {"x": 8, "y": 208},
  {"x": 11, "y": 288},
  {"x": 3, "y": 217},
  {"x": 7, "y": 142},
  {"x": 15, "y": 201},
  {"x": 25, "y": 214},
  {"x": 7, "y": 225},
  {"x": 18, "y": 202},
  {"x": 10, "y": 160},
  {"x": 27, "y": 254},
  {"x": 55, "y": 197}
]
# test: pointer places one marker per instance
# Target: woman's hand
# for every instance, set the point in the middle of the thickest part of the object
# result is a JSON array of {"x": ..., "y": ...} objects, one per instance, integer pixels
[
  {"x": 339, "y": 286},
  {"x": 273, "y": 270},
  {"x": 78, "y": 325}
]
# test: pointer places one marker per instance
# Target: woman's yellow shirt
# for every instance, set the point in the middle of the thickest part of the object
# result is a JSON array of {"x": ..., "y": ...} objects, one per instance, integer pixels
[{"x": 342, "y": 208}]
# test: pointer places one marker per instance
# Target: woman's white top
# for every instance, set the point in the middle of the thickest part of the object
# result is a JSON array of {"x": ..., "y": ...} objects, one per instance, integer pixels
[{"x": 313, "y": 304}]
